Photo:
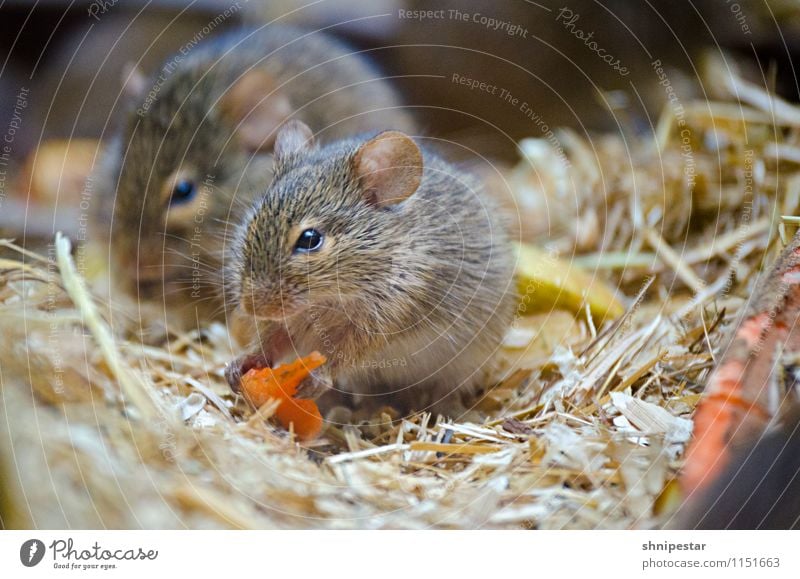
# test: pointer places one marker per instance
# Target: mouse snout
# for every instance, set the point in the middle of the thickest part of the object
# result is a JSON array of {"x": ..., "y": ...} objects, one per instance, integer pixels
[
  {"x": 262, "y": 299},
  {"x": 146, "y": 266},
  {"x": 251, "y": 296},
  {"x": 146, "y": 272},
  {"x": 142, "y": 270}
]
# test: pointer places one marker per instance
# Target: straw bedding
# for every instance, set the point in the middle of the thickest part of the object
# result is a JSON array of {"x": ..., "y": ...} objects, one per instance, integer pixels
[{"x": 582, "y": 424}]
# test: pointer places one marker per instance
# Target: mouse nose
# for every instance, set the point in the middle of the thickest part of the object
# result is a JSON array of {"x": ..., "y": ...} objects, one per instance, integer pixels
[
  {"x": 140, "y": 266},
  {"x": 143, "y": 272},
  {"x": 148, "y": 273},
  {"x": 258, "y": 299}
]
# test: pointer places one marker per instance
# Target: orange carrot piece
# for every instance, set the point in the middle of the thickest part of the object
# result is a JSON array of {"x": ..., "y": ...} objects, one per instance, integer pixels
[
  {"x": 729, "y": 405},
  {"x": 259, "y": 386},
  {"x": 735, "y": 408},
  {"x": 303, "y": 414}
]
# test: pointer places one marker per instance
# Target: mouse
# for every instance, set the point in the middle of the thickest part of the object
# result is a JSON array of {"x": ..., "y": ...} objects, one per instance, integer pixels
[
  {"x": 384, "y": 257},
  {"x": 196, "y": 145}
]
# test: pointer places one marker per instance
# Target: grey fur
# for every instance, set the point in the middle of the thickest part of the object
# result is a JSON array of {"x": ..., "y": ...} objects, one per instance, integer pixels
[
  {"x": 334, "y": 90},
  {"x": 409, "y": 303}
]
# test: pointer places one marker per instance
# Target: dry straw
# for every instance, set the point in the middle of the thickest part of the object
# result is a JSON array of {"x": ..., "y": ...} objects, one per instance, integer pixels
[{"x": 582, "y": 424}]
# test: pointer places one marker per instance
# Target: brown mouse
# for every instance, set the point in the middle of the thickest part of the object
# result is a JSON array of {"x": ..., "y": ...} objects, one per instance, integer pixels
[
  {"x": 388, "y": 260},
  {"x": 197, "y": 145}
]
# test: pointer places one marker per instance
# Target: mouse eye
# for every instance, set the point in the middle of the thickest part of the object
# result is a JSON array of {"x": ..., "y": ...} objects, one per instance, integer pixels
[
  {"x": 184, "y": 191},
  {"x": 309, "y": 240}
]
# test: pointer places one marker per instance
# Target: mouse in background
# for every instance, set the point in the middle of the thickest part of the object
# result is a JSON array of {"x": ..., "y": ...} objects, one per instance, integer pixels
[
  {"x": 197, "y": 143},
  {"x": 388, "y": 260}
]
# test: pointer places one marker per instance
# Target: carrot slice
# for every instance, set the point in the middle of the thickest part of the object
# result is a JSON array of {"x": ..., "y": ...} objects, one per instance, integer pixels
[
  {"x": 739, "y": 401},
  {"x": 259, "y": 386}
]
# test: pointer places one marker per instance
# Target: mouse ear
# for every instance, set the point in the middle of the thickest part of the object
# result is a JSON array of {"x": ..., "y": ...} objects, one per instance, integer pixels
[
  {"x": 389, "y": 168},
  {"x": 134, "y": 82},
  {"x": 294, "y": 136},
  {"x": 257, "y": 107}
]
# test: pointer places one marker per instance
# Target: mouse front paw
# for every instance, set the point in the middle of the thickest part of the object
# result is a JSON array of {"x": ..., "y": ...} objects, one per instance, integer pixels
[{"x": 242, "y": 365}]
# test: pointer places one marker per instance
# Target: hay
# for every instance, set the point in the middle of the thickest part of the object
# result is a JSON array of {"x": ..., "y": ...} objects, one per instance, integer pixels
[{"x": 582, "y": 425}]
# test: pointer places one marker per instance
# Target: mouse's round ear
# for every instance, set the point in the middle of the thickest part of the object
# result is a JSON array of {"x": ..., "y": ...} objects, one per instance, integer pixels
[
  {"x": 256, "y": 106},
  {"x": 389, "y": 168},
  {"x": 293, "y": 137},
  {"x": 134, "y": 82}
]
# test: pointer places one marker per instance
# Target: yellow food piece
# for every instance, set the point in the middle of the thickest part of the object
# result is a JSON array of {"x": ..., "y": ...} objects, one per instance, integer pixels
[
  {"x": 669, "y": 500},
  {"x": 546, "y": 282}
]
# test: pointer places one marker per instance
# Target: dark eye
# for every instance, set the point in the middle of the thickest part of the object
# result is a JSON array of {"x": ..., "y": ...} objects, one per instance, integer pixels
[
  {"x": 184, "y": 191},
  {"x": 309, "y": 240}
]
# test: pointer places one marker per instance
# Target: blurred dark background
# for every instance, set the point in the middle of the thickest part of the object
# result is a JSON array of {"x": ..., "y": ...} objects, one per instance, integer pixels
[
  {"x": 585, "y": 64},
  {"x": 71, "y": 55}
]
